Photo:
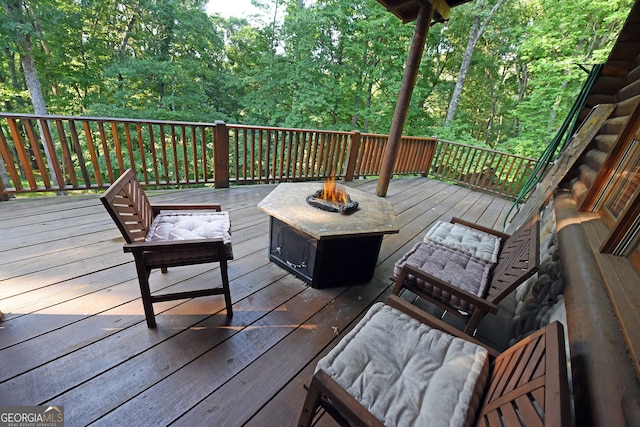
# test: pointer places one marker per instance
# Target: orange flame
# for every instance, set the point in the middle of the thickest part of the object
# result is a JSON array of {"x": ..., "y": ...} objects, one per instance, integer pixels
[{"x": 332, "y": 193}]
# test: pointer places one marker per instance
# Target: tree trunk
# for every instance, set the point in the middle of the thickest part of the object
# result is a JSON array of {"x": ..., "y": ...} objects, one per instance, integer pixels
[
  {"x": 523, "y": 79},
  {"x": 16, "y": 13},
  {"x": 474, "y": 35}
]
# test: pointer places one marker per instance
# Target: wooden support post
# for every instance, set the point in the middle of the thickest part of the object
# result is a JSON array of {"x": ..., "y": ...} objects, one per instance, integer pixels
[
  {"x": 425, "y": 15},
  {"x": 352, "y": 157},
  {"x": 221, "y": 155}
]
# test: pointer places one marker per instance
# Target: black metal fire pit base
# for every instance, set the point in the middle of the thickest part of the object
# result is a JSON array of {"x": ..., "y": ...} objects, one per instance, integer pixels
[{"x": 339, "y": 261}]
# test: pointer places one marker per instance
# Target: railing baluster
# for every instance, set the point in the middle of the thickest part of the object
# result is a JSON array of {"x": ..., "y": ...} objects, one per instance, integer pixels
[
  {"x": 118, "y": 151},
  {"x": 152, "y": 148},
  {"x": 365, "y": 153},
  {"x": 311, "y": 154},
  {"x": 501, "y": 174},
  {"x": 236, "y": 154},
  {"x": 372, "y": 159},
  {"x": 174, "y": 177},
  {"x": 92, "y": 153},
  {"x": 127, "y": 134},
  {"x": 105, "y": 152},
  {"x": 194, "y": 153},
  {"x": 37, "y": 153},
  {"x": 75, "y": 142},
  {"x": 267, "y": 155},
  {"x": 400, "y": 163},
  {"x": 185, "y": 155},
  {"x": 275, "y": 155},
  {"x": 295, "y": 160},
  {"x": 464, "y": 159},
  {"x": 165, "y": 162},
  {"x": 25, "y": 160},
  {"x": 324, "y": 168},
  {"x": 291, "y": 163},
  {"x": 342, "y": 147},
  {"x": 260, "y": 156},
  {"x": 203, "y": 148},
  {"x": 10, "y": 162},
  {"x": 66, "y": 153},
  {"x": 517, "y": 173},
  {"x": 484, "y": 170},
  {"x": 244, "y": 153}
]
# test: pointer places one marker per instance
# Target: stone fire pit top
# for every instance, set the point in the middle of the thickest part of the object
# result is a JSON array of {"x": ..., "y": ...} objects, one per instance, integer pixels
[{"x": 288, "y": 203}]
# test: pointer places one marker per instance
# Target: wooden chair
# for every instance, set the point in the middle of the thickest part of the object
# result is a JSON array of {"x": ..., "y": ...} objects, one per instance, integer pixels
[
  {"x": 526, "y": 385},
  {"x": 162, "y": 236},
  {"x": 518, "y": 259}
]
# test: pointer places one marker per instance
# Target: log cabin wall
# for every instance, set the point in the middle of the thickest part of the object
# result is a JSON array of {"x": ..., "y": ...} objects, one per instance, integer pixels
[{"x": 602, "y": 291}]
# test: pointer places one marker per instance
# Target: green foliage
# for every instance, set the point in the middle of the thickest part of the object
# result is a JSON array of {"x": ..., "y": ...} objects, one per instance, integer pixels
[{"x": 329, "y": 64}]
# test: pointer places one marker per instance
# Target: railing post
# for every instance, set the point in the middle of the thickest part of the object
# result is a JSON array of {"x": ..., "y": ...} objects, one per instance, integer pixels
[
  {"x": 352, "y": 157},
  {"x": 221, "y": 155}
]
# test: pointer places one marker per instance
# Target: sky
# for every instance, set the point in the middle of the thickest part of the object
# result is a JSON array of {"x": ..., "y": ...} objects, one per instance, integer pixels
[{"x": 227, "y": 8}]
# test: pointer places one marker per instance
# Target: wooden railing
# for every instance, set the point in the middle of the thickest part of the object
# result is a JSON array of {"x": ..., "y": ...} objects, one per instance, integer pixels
[
  {"x": 267, "y": 154},
  {"x": 482, "y": 169},
  {"x": 59, "y": 153}
]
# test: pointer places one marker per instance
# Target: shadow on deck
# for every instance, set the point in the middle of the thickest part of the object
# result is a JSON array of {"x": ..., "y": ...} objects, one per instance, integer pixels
[{"x": 74, "y": 332}]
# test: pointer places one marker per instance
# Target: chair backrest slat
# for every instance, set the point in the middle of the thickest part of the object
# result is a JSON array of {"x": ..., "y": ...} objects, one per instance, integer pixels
[
  {"x": 528, "y": 385},
  {"x": 129, "y": 207},
  {"x": 519, "y": 259}
]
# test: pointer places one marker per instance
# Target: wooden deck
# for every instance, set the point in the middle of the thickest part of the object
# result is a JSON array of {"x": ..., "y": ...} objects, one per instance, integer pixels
[{"x": 74, "y": 332}]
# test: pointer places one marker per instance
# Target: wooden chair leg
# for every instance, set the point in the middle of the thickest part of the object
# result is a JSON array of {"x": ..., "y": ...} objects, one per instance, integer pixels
[
  {"x": 337, "y": 402},
  {"x": 474, "y": 321},
  {"x": 397, "y": 287},
  {"x": 145, "y": 291},
  {"x": 225, "y": 287},
  {"x": 311, "y": 404}
]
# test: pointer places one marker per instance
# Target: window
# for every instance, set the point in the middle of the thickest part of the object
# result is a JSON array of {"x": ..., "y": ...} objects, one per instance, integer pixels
[
  {"x": 625, "y": 181},
  {"x": 620, "y": 206}
]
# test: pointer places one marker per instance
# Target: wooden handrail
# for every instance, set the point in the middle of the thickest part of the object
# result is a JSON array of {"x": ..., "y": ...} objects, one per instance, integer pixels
[{"x": 59, "y": 153}]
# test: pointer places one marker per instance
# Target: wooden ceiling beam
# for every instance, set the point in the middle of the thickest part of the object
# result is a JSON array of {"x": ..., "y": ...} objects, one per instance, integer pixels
[{"x": 407, "y": 10}]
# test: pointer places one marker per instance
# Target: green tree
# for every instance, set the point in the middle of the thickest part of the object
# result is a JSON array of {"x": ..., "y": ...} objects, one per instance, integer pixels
[{"x": 331, "y": 64}]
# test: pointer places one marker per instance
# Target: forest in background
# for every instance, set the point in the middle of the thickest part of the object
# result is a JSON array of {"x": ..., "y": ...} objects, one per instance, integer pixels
[{"x": 323, "y": 64}]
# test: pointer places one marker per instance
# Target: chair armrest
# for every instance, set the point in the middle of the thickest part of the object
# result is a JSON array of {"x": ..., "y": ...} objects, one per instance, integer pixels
[
  {"x": 422, "y": 316},
  {"x": 173, "y": 245},
  {"x": 156, "y": 208},
  {"x": 454, "y": 290},
  {"x": 456, "y": 220}
]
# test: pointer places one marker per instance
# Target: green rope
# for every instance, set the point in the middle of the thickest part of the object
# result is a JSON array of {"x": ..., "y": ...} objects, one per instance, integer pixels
[{"x": 555, "y": 147}]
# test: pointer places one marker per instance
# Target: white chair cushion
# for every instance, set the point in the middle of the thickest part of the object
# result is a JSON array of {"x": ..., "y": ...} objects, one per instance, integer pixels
[
  {"x": 176, "y": 225},
  {"x": 407, "y": 373},
  {"x": 474, "y": 242}
]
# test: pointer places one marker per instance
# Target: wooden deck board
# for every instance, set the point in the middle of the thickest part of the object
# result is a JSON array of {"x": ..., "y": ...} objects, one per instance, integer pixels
[{"x": 75, "y": 333}]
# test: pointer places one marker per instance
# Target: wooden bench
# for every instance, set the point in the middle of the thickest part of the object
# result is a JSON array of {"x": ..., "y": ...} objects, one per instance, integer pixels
[
  {"x": 517, "y": 260},
  {"x": 526, "y": 385}
]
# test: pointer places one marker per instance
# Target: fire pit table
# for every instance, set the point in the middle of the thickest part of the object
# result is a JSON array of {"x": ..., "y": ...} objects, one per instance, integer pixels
[{"x": 322, "y": 247}]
